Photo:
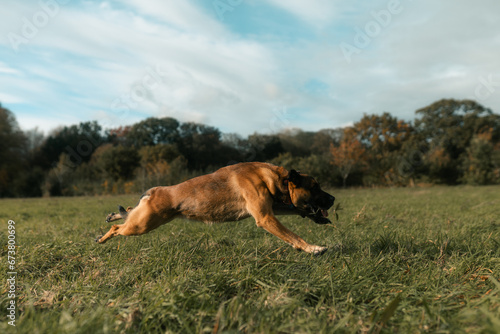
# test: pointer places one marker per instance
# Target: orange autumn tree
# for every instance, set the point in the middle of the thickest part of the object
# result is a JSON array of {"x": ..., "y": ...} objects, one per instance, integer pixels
[{"x": 348, "y": 156}]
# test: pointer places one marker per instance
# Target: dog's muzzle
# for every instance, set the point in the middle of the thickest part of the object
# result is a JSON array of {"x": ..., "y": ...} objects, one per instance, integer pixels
[
  {"x": 322, "y": 205},
  {"x": 319, "y": 210}
]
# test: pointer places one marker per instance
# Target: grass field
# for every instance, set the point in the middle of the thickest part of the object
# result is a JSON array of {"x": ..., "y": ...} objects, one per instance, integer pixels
[{"x": 400, "y": 260}]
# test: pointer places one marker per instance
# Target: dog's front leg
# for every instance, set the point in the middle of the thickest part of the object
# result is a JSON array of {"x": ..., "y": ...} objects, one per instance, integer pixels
[{"x": 272, "y": 225}]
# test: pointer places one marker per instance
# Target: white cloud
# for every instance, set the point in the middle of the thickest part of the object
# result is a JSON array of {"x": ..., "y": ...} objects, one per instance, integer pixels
[
  {"x": 182, "y": 15},
  {"x": 9, "y": 98},
  {"x": 208, "y": 70},
  {"x": 45, "y": 123},
  {"x": 6, "y": 69},
  {"x": 317, "y": 13},
  {"x": 91, "y": 54},
  {"x": 428, "y": 52}
]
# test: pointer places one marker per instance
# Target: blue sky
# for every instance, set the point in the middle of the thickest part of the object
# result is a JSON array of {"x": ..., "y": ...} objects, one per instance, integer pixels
[{"x": 243, "y": 65}]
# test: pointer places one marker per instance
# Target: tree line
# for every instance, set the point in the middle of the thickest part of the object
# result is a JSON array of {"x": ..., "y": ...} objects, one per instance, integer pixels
[{"x": 449, "y": 142}]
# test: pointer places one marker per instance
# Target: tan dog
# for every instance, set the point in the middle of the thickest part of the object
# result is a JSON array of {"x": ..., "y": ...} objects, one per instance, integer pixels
[{"x": 231, "y": 193}]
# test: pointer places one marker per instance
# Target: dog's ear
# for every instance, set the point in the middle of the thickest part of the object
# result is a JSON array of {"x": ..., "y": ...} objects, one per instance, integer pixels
[{"x": 294, "y": 177}]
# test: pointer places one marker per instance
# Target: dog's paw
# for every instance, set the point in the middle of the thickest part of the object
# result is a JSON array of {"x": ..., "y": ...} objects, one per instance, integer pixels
[
  {"x": 110, "y": 217},
  {"x": 317, "y": 250},
  {"x": 98, "y": 238}
]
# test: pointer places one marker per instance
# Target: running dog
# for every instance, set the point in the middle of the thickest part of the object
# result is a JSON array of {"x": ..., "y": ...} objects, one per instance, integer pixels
[{"x": 232, "y": 193}]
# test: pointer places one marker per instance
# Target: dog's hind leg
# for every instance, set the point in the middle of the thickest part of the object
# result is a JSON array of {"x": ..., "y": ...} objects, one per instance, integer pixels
[
  {"x": 136, "y": 224},
  {"x": 140, "y": 220}
]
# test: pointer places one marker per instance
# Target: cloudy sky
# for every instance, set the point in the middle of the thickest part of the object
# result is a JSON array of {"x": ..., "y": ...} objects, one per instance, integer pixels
[{"x": 243, "y": 65}]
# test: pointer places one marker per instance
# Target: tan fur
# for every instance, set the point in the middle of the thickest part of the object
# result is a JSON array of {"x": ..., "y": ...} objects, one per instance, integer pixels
[{"x": 231, "y": 193}]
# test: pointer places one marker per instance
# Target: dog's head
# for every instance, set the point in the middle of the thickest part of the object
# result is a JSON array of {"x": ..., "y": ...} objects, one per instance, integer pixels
[{"x": 308, "y": 197}]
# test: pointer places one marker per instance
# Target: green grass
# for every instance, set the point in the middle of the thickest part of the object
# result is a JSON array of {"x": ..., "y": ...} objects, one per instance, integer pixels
[{"x": 400, "y": 260}]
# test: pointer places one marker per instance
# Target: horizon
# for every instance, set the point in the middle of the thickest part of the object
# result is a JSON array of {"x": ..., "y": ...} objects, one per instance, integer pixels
[
  {"x": 275, "y": 125},
  {"x": 254, "y": 66}
]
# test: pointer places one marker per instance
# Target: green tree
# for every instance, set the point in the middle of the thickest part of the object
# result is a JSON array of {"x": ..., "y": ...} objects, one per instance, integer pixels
[
  {"x": 265, "y": 147},
  {"x": 202, "y": 146},
  {"x": 324, "y": 138},
  {"x": 317, "y": 165},
  {"x": 384, "y": 137},
  {"x": 153, "y": 131},
  {"x": 297, "y": 142},
  {"x": 479, "y": 166},
  {"x": 161, "y": 152},
  {"x": 13, "y": 149},
  {"x": 448, "y": 127},
  {"x": 76, "y": 141},
  {"x": 118, "y": 162}
]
